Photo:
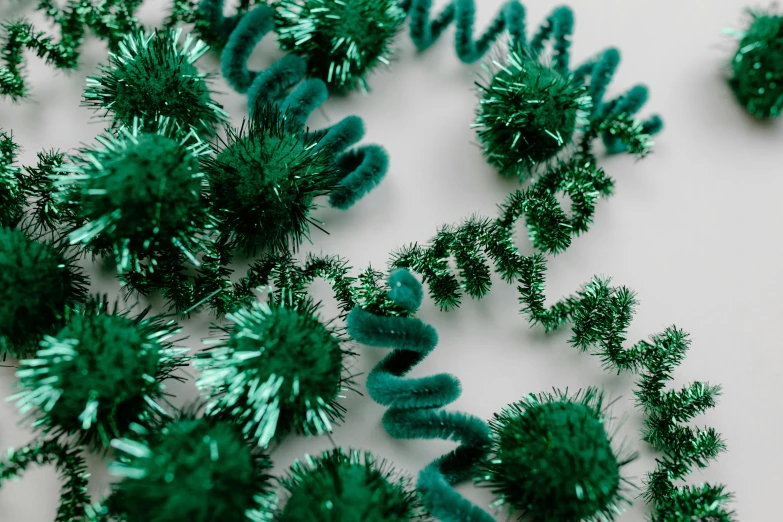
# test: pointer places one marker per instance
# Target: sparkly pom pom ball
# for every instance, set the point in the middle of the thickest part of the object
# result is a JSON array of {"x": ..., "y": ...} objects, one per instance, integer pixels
[
  {"x": 346, "y": 487},
  {"x": 342, "y": 40},
  {"x": 553, "y": 460},
  {"x": 152, "y": 76},
  {"x": 528, "y": 113},
  {"x": 757, "y": 68},
  {"x": 279, "y": 370},
  {"x": 192, "y": 470},
  {"x": 100, "y": 374},
  {"x": 38, "y": 282}
]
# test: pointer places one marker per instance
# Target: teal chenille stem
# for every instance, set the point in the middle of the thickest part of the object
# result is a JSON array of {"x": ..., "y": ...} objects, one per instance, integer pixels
[
  {"x": 415, "y": 404},
  {"x": 286, "y": 85}
]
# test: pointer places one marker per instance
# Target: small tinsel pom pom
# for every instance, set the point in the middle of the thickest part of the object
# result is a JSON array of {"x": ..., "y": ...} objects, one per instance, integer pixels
[
  {"x": 344, "y": 486},
  {"x": 153, "y": 75},
  {"x": 342, "y": 40},
  {"x": 757, "y": 67},
  {"x": 279, "y": 370},
  {"x": 192, "y": 470},
  {"x": 528, "y": 112},
  {"x": 38, "y": 281},
  {"x": 553, "y": 459},
  {"x": 100, "y": 374}
]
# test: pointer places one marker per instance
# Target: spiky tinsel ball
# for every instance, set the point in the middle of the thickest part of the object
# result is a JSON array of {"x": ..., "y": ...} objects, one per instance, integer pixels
[
  {"x": 527, "y": 113},
  {"x": 151, "y": 76},
  {"x": 12, "y": 196},
  {"x": 342, "y": 40},
  {"x": 279, "y": 370},
  {"x": 757, "y": 67},
  {"x": 343, "y": 486},
  {"x": 100, "y": 374},
  {"x": 39, "y": 280},
  {"x": 137, "y": 194},
  {"x": 191, "y": 470},
  {"x": 553, "y": 460},
  {"x": 263, "y": 181}
]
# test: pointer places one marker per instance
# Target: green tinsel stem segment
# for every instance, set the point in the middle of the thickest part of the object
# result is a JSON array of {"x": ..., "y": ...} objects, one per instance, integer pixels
[
  {"x": 74, "y": 499},
  {"x": 415, "y": 405}
]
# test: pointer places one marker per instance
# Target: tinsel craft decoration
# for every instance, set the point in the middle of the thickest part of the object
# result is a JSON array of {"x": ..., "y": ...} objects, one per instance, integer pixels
[
  {"x": 757, "y": 67},
  {"x": 415, "y": 405},
  {"x": 346, "y": 486},
  {"x": 280, "y": 369},
  {"x": 102, "y": 373}
]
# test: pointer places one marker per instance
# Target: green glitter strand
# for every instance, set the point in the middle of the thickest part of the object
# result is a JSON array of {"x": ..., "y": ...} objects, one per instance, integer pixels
[
  {"x": 415, "y": 405},
  {"x": 74, "y": 499},
  {"x": 110, "y": 20},
  {"x": 12, "y": 197}
]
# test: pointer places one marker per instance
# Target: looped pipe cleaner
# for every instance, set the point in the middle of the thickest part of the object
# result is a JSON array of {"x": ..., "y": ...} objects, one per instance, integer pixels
[
  {"x": 285, "y": 85},
  {"x": 415, "y": 404}
]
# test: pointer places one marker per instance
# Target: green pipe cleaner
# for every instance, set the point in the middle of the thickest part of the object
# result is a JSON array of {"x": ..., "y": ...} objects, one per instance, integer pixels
[{"x": 415, "y": 405}]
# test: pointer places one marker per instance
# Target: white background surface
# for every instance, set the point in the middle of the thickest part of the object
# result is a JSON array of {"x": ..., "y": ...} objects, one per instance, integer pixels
[{"x": 694, "y": 229}]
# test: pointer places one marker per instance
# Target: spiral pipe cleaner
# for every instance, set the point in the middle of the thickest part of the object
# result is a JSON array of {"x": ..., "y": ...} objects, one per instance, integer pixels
[{"x": 415, "y": 405}]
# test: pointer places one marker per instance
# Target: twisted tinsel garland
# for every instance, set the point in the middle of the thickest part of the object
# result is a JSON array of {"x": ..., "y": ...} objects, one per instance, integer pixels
[{"x": 415, "y": 405}]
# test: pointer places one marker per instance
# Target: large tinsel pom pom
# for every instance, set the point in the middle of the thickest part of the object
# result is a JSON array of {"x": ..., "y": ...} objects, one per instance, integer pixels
[
  {"x": 279, "y": 370},
  {"x": 152, "y": 76},
  {"x": 757, "y": 79},
  {"x": 346, "y": 487},
  {"x": 138, "y": 194},
  {"x": 342, "y": 40},
  {"x": 263, "y": 182},
  {"x": 38, "y": 282},
  {"x": 528, "y": 112},
  {"x": 553, "y": 459},
  {"x": 191, "y": 470},
  {"x": 100, "y": 374}
]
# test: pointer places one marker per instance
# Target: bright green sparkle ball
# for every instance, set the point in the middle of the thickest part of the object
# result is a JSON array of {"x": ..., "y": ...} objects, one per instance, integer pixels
[
  {"x": 99, "y": 375},
  {"x": 346, "y": 487},
  {"x": 342, "y": 40},
  {"x": 527, "y": 113},
  {"x": 137, "y": 194},
  {"x": 553, "y": 460},
  {"x": 152, "y": 76},
  {"x": 191, "y": 470},
  {"x": 279, "y": 370},
  {"x": 757, "y": 67},
  {"x": 38, "y": 282}
]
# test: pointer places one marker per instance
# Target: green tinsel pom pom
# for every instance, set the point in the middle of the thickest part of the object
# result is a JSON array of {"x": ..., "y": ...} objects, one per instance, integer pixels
[
  {"x": 263, "y": 182},
  {"x": 528, "y": 112},
  {"x": 100, "y": 374},
  {"x": 192, "y": 470},
  {"x": 279, "y": 370},
  {"x": 138, "y": 194},
  {"x": 553, "y": 459},
  {"x": 38, "y": 282},
  {"x": 757, "y": 79},
  {"x": 153, "y": 76},
  {"x": 342, "y": 40},
  {"x": 12, "y": 194},
  {"x": 340, "y": 487}
]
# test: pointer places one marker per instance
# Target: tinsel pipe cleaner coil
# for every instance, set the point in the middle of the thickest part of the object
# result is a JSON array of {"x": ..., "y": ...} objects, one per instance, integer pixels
[
  {"x": 285, "y": 84},
  {"x": 415, "y": 404}
]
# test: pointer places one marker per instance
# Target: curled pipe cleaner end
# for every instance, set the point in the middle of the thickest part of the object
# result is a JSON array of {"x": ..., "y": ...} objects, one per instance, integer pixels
[
  {"x": 415, "y": 404},
  {"x": 251, "y": 28}
]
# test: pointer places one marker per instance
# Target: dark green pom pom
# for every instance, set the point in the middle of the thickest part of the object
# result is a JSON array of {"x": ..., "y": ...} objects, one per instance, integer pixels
[
  {"x": 553, "y": 459},
  {"x": 527, "y": 113},
  {"x": 152, "y": 76},
  {"x": 137, "y": 194},
  {"x": 38, "y": 282},
  {"x": 100, "y": 374},
  {"x": 340, "y": 487},
  {"x": 279, "y": 370},
  {"x": 757, "y": 79},
  {"x": 264, "y": 180},
  {"x": 192, "y": 470},
  {"x": 342, "y": 40}
]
